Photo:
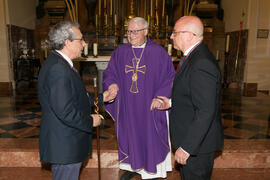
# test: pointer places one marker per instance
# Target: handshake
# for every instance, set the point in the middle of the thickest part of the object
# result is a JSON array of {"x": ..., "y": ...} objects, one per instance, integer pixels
[{"x": 108, "y": 96}]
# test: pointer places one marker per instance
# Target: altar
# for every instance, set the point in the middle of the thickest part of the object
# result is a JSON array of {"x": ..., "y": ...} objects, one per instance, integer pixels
[{"x": 101, "y": 63}]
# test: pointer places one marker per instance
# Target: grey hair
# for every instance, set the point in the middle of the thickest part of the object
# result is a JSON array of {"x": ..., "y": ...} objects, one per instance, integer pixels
[
  {"x": 141, "y": 21},
  {"x": 60, "y": 32}
]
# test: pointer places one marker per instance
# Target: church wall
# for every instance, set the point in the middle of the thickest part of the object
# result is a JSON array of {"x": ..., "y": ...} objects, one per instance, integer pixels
[
  {"x": 5, "y": 72},
  {"x": 22, "y": 13},
  {"x": 258, "y": 57},
  {"x": 256, "y": 16}
]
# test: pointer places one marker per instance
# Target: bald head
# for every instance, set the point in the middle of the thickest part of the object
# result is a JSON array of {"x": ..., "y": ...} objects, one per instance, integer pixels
[{"x": 192, "y": 24}]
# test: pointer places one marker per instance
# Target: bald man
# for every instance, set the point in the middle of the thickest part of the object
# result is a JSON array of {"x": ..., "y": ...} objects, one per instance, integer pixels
[{"x": 195, "y": 118}]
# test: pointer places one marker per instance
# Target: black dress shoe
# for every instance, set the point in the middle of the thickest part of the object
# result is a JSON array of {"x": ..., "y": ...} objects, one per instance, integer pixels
[{"x": 128, "y": 175}]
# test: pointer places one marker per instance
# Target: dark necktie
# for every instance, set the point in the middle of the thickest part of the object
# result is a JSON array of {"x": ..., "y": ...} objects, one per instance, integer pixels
[
  {"x": 182, "y": 60},
  {"x": 74, "y": 69}
]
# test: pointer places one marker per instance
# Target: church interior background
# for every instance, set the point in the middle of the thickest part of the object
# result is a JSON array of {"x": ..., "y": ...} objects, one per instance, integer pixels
[{"x": 237, "y": 33}]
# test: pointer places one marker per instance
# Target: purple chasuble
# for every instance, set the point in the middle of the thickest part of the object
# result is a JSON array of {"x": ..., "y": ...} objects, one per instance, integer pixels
[{"x": 142, "y": 134}]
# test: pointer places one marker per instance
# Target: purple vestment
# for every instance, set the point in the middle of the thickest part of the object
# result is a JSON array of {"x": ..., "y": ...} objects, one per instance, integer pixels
[{"x": 142, "y": 134}]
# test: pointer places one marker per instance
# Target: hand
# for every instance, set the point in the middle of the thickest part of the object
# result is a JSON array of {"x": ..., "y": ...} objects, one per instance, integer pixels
[
  {"x": 96, "y": 119},
  {"x": 181, "y": 156},
  {"x": 156, "y": 103},
  {"x": 165, "y": 103},
  {"x": 111, "y": 93}
]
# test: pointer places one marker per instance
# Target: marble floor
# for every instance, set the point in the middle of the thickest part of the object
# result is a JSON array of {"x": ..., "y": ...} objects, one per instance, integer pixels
[{"x": 245, "y": 120}]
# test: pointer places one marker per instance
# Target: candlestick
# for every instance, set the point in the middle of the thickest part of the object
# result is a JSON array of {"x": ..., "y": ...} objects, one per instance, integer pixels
[
  {"x": 99, "y": 7},
  {"x": 95, "y": 49},
  {"x": 111, "y": 7},
  {"x": 170, "y": 49},
  {"x": 163, "y": 8},
  {"x": 85, "y": 49},
  {"x": 96, "y": 21},
  {"x": 151, "y": 8},
  {"x": 115, "y": 19},
  {"x": 106, "y": 19}
]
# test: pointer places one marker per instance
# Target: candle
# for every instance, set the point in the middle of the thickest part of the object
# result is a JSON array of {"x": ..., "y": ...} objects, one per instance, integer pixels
[
  {"x": 157, "y": 19},
  {"x": 85, "y": 49},
  {"x": 167, "y": 19},
  {"x": 115, "y": 19},
  {"x": 227, "y": 43},
  {"x": 170, "y": 49},
  {"x": 156, "y": 4},
  {"x": 105, "y": 5},
  {"x": 163, "y": 8},
  {"x": 148, "y": 19},
  {"x": 95, "y": 49}
]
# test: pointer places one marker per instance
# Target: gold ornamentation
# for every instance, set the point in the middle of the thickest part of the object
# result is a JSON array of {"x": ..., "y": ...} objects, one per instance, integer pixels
[{"x": 135, "y": 69}]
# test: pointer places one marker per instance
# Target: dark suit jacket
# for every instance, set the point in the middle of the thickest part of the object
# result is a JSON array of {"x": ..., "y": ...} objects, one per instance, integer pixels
[
  {"x": 65, "y": 130},
  {"x": 195, "y": 118}
]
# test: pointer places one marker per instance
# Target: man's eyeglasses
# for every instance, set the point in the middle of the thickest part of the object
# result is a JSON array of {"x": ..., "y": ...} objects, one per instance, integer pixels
[
  {"x": 174, "y": 33},
  {"x": 134, "y": 31},
  {"x": 78, "y": 39}
]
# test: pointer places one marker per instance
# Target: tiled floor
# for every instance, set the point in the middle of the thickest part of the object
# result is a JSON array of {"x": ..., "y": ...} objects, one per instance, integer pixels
[{"x": 244, "y": 119}]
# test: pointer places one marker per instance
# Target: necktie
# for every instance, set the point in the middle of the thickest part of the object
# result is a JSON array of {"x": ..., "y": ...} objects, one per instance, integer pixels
[
  {"x": 74, "y": 69},
  {"x": 182, "y": 60}
]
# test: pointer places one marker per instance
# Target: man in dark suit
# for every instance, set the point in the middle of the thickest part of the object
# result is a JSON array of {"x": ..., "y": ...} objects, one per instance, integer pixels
[
  {"x": 66, "y": 124},
  {"x": 195, "y": 118}
]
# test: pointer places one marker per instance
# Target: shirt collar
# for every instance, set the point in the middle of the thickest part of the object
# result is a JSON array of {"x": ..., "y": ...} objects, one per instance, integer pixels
[
  {"x": 191, "y": 48},
  {"x": 141, "y": 46},
  {"x": 66, "y": 58}
]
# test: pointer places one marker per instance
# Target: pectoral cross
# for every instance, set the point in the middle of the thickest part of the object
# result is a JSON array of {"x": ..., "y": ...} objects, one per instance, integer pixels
[{"x": 134, "y": 69}]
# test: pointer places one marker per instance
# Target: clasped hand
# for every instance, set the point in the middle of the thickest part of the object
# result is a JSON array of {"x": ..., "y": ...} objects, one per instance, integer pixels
[
  {"x": 111, "y": 93},
  {"x": 161, "y": 103}
]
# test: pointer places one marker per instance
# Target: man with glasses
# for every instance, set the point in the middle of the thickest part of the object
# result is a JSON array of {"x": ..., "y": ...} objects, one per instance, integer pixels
[
  {"x": 195, "y": 118},
  {"x": 66, "y": 123},
  {"x": 137, "y": 73}
]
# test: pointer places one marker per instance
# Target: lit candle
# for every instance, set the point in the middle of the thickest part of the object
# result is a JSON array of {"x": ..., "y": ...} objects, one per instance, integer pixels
[
  {"x": 85, "y": 49},
  {"x": 95, "y": 49},
  {"x": 227, "y": 43},
  {"x": 170, "y": 49}
]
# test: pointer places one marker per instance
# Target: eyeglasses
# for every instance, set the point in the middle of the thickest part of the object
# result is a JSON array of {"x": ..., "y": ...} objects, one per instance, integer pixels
[
  {"x": 135, "y": 32},
  {"x": 174, "y": 33},
  {"x": 78, "y": 39}
]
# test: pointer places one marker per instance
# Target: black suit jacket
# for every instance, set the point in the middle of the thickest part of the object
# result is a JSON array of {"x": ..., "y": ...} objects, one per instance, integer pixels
[
  {"x": 195, "y": 118},
  {"x": 65, "y": 130}
]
